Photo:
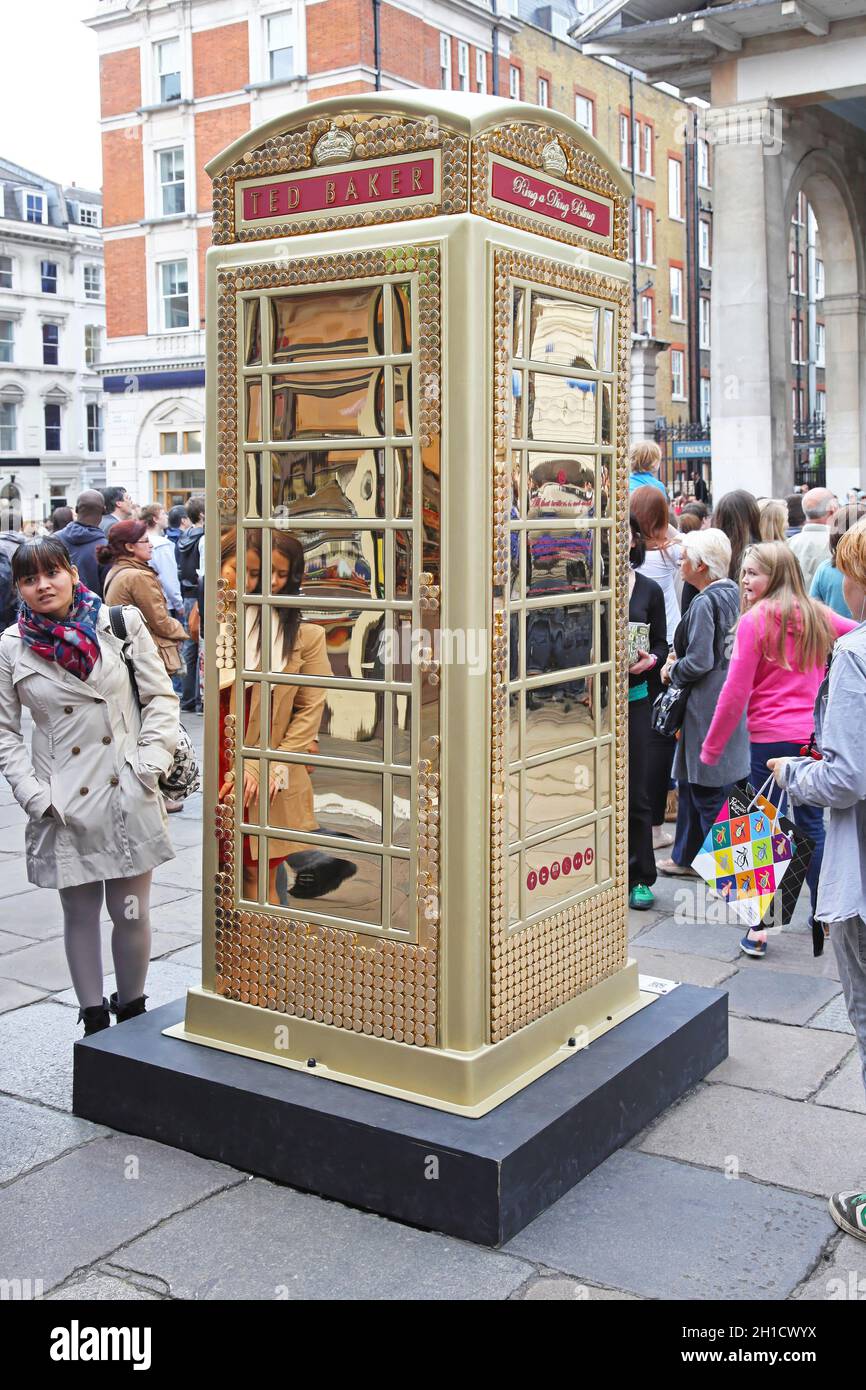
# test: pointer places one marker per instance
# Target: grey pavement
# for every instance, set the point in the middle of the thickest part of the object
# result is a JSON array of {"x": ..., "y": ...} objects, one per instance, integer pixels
[{"x": 723, "y": 1196}]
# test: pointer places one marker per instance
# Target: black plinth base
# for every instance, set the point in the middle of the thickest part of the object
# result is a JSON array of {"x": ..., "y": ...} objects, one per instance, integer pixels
[{"x": 481, "y": 1179}]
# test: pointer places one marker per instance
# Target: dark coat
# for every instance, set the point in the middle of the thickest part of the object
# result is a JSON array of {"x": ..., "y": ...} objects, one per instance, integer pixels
[{"x": 82, "y": 542}]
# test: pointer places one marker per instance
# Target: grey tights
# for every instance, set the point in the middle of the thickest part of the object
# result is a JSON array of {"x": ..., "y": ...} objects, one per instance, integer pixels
[{"x": 128, "y": 903}]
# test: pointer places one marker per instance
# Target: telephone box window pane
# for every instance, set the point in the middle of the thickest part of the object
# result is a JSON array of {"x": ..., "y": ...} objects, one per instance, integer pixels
[
  {"x": 604, "y": 485},
  {"x": 561, "y": 485},
  {"x": 603, "y": 781},
  {"x": 252, "y": 332},
  {"x": 514, "y": 807},
  {"x": 607, "y": 352},
  {"x": 250, "y": 845},
  {"x": 602, "y": 842},
  {"x": 355, "y": 646},
  {"x": 559, "y": 639},
  {"x": 607, "y": 414},
  {"x": 328, "y": 482},
  {"x": 559, "y": 562},
  {"x": 559, "y": 791},
  {"x": 401, "y": 822},
  {"x": 353, "y": 725},
  {"x": 401, "y": 729},
  {"x": 562, "y": 408},
  {"x": 559, "y": 869},
  {"x": 403, "y": 487},
  {"x": 559, "y": 715},
  {"x": 401, "y": 319},
  {"x": 563, "y": 332},
  {"x": 327, "y": 800},
  {"x": 345, "y": 886},
  {"x": 400, "y": 904},
  {"x": 329, "y": 404},
  {"x": 518, "y": 302},
  {"x": 515, "y": 702},
  {"x": 402, "y": 564},
  {"x": 517, "y": 381},
  {"x": 254, "y": 410},
  {"x": 402, "y": 400},
  {"x": 514, "y": 876},
  {"x": 328, "y": 323},
  {"x": 344, "y": 564}
]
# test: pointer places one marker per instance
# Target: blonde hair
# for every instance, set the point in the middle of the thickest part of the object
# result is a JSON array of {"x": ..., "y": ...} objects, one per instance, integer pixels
[
  {"x": 643, "y": 457},
  {"x": 799, "y": 616},
  {"x": 774, "y": 518},
  {"x": 851, "y": 553}
]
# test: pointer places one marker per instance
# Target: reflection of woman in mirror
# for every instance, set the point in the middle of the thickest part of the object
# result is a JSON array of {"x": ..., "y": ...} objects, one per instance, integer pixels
[{"x": 296, "y": 711}]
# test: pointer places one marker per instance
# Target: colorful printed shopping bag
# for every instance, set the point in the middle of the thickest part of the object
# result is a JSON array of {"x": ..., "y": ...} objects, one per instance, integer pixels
[
  {"x": 802, "y": 849},
  {"x": 746, "y": 854}
]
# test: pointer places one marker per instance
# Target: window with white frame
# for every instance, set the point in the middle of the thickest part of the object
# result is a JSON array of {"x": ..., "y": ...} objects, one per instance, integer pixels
[
  {"x": 174, "y": 293},
  {"x": 678, "y": 374},
  {"x": 48, "y": 276},
  {"x": 94, "y": 428},
  {"x": 796, "y": 271},
  {"x": 514, "y": 83},
  {"x": 88, "y": 215},
  {"x": 704, "y": 244},
  {"x": 167, "y": 63},
  {"x": 704, "y": 322},
  {"x": 92, "y": 344},
  {"x": 676, "y": 281},
  {"x": 624, "y": 143},
  {"x": 797, "y": 340},
  {"x": 92, "y": 282},
  {"x": 7, "y": 340},
  {"x": 171, "y": 181},
  {"x": 705, "y": 400},
  {"x": 5, "y": 272},
  {"x": 819, "y": 279},
  {"x": 821, "y": 404},
  {"x": 281, "y": 33},
  {"x": 646, "y": 314},
  {"x": 646, "y": 246},
  {"x": 480, "y": 70},
  {"x": 543, "y": 92},
  {"x": 584, "y": 112},
  {"x": 34, "y": 207},
  {"x": 53, "y": 426},
  {"x": 703, "y": 162},
  {"x": 8, "y": 425},
  {"x": 645, "y": 145},
  {"x": 675, "y": 188},
  {"x": 462, "y": 67},
  {"x": 444, "y": 62},
  {"x": 50, "y": 345},
  {"x": 820, "y": 345}
]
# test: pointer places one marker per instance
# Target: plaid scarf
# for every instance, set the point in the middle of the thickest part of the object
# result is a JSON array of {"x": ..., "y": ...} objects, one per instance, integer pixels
[{"x": 71, "y": 642}]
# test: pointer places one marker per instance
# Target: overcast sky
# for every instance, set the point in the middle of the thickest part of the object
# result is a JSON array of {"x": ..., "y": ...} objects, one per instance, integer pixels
[{"x": 49, "y": 93}]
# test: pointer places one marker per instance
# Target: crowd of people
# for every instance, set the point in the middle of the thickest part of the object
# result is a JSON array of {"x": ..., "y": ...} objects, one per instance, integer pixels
[{"x": 754, "y": 612}]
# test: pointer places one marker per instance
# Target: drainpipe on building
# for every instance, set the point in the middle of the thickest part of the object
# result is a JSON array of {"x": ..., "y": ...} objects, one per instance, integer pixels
[
  {"x": 494, "y": 57},
  {"x": 377, "y": 45},
  {"x": 635, "y": 230},
  {"x": 693, "y": 271}
]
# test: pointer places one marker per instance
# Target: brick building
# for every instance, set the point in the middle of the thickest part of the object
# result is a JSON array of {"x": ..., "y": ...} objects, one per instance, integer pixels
[{"x": 181, "y": 79}]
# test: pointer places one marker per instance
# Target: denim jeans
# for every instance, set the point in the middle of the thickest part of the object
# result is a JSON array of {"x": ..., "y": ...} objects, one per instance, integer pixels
[
  {"x": 849, "y": 943},
  {"x": 808, "y": 818},
  {"x": 189, "y": 652},
  {"x": 697, "y": 808}
]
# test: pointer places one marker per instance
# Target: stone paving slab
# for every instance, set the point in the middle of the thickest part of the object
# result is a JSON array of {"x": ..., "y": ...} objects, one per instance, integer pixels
[
  {"x": 261, "y": 1241},
  {"x": 31, "y": 1135},
  {"x": 834, "y": 1016},
  {"x": 552, "y": 1287},
  {"x": 9, "y": 941},
  {"x": 84, "y": 1205},
  {"x": 101, "y": 1288},
  {"x": 181, "y": 918},
  {"x": 640, "y": 921},
  {"x": 665, "y": 1230},
  {"x": 38, "y": 914},
  {"x": 183, "y": 872},
  {"x": 789, "y": 950},
  {"x": 14, "y": 996},
  {"x": 779, "y": 996},
  {"x": 190, "y": 956},
  {"x": 845, "y": 1090},
  {"x": 694, "y": 939},
  {"x": 36, "y": 1053},
  {"x": 165, "y": 981},
  {"x": 43, "y": 963},
  {"x": 774, "y": 1057},
  {"x": 786, "y": 1142},
  {"x": 676, "y": 965},
  {"x": 841, "y": 1275}
]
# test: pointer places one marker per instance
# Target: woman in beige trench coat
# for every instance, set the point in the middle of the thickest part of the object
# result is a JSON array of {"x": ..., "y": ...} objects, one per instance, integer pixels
[{"x": 96, "y": 823}]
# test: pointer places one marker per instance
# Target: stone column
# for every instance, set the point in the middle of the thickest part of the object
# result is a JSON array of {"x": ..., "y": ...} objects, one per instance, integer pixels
[
  {"x": 752, "y": 434},
  {"x": 642, "y": 393},
  {"x": 845, "y": 376}
]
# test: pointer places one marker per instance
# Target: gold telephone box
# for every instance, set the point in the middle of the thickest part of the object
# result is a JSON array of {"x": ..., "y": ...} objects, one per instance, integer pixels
[{"x": 418, "y": 321}]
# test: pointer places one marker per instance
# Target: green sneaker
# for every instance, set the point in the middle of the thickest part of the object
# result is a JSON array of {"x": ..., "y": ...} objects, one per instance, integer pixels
[
  {"x": 641, "y": 898},
  {"x": 848, "y": 1210}
]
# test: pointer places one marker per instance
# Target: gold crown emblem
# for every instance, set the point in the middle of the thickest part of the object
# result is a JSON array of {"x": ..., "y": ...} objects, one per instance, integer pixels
[
  {"x": 553, "y": 158},
  {"x": 333, "y": 146}
]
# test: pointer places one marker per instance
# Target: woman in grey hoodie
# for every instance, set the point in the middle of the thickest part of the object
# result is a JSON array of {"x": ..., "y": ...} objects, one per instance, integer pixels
[{"x": 838, "y": 780}]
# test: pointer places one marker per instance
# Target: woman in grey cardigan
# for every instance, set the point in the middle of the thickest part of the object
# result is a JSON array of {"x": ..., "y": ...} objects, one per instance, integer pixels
[
  {"x": 702, "y": 644},
  {"x": 838, "y": 780}
]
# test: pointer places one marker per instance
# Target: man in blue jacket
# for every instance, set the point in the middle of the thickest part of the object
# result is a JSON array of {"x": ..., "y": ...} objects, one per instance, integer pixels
[{"x": 82, "y": 537}]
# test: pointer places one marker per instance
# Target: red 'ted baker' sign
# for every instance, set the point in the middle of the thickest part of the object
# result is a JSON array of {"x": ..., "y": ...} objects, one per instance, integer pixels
[
  {"x": 548, "y": 199},
  {"x": 361, "y": 185}
]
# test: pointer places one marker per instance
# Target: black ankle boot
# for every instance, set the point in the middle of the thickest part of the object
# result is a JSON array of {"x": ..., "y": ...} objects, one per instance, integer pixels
[
  {"x": 131, "y": 1010},
  {"x": 95, "y": 1018}
]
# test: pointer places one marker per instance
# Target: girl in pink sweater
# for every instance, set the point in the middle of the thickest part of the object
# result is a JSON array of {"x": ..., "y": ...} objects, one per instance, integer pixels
[{"x": 780, "y": 650}]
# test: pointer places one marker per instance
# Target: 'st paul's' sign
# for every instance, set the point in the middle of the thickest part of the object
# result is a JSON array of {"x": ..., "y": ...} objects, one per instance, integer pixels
[
  {"x": 548, "y": 200},
  {"x": 317, "y": 194}
]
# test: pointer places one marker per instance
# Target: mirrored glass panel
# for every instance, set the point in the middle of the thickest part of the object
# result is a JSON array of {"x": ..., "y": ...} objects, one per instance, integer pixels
[
  {"x": 340, "y": 884},
  {"x": 559, "y": 791},
  {"x": 559, "y": 868},
  {"x": 607, "y": 351},
  {"x": 560, "y": 485},
  {"x": 332, "y": 403},
  {"x": 563, "y": 332},
  {"x": 327, "y": 800},
  {"x": 514, "y": 871},
  {"x": 517, "y": 389},
  {"x": 558, "y": 715},
  {"x": 402, "y": 542},
  {"x": 401, "y": 319},
  {"x": 327, "y": 482},
  {"x": 254, "y": 409},
  {"x": 605, "y": 752},
  {"x": 328, "y": 323},
  {"x": 401, "y": 729},
  {"x": 402, "y": 377},
  {"x": 354, "y": 642},
  {"x": 559, "y": 639},
  {"x": 402, "y": 501},
  {"x": 559, "y": 561},
  {"x": 352, "y": 725},
  {"x": 561, "y": 407},
  {"x": 401, "y": 812},
  {"x": 401, "y": 903},
  {"x": 607, "y": 414},
  {"x": 252, "y": 332},
  {"x": 514, "y": 807},
  {"x": 344, "y": 564},
  {"x": 605, "y": 487},
  {"x": 518, "y": 302}
]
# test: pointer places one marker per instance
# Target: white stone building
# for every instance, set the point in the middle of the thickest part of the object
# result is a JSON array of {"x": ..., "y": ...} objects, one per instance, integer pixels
[{"x": 52, "y": 328}]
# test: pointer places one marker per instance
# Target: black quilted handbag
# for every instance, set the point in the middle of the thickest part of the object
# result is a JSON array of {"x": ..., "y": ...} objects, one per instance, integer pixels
[{"x": 183, "y": 777}]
